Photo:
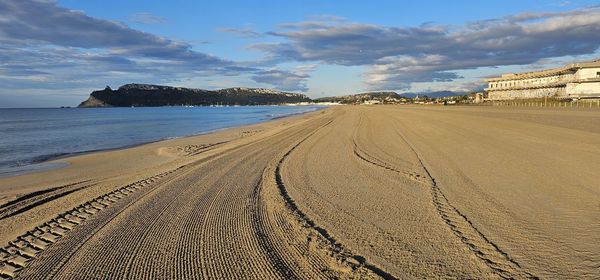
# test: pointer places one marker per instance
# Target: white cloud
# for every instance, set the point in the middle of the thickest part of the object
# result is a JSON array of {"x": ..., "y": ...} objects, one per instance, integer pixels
[
  {"x": 287, "y": 80},
  {"x": 399, "y": 56}
]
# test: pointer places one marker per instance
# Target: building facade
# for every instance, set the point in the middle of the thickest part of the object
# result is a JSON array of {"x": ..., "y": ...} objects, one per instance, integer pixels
[{"x": 577, "y": 80}]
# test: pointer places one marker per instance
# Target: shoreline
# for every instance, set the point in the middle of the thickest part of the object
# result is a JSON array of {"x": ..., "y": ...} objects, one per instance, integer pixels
[
  {"x": 54, "y": 161},
  {"x": 63, "y": 165}
]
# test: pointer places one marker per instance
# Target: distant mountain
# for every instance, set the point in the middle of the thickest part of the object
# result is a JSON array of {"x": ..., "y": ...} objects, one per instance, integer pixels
[
  {"x": 154, "y": 95},
  {"x": 432, "y": 94},
  {"x": 361, "y": 97}
]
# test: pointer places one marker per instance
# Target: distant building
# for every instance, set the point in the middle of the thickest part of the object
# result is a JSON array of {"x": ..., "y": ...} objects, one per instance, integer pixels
[
  {"x": 372, "y": 102},
  {"x": 476, "y": 97},
  {"x": 577, "y": 80}
]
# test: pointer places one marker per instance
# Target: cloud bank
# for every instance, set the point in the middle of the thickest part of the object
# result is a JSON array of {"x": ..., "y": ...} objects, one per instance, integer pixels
[
  {"x": 398, "y": 56},
  {"x": 44, "y": 45}
]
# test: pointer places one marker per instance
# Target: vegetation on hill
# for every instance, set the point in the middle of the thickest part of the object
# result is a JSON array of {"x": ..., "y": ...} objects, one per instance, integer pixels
[
  {"x": 154, "y": 95},
  {"x": 381, "y": 96}
]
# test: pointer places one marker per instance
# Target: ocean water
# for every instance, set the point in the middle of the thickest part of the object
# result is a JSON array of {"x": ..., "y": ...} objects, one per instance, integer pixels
[{"x": 29, "y": 137}]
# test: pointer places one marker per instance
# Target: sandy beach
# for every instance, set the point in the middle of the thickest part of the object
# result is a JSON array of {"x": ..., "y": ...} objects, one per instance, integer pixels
[{"x": 350, "y": 192}]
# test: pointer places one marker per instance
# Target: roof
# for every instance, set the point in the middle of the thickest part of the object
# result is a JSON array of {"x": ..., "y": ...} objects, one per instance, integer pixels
[{"x": 569, "y": 68}]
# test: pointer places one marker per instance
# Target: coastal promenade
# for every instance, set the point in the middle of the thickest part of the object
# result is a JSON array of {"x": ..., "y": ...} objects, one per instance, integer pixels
[{"x": 392, "y": 192}]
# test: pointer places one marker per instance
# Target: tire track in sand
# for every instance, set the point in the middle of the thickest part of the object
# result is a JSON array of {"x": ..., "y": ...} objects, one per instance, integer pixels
[
  {"x": 214, "y": 238},
  {"x": 34, "y": 199},
  {"x": 259, "y": 221},
  {"x": 144, "y": 235},
  {"x": 278, "y": 232},
  {"x": 281, "y": 254},
  {"x": 18, "y": 254},
  {"x": 337, "y": 249},
  {"x": 268, "y": 258},
  {"x": 485, "y": 250},
  {"x": 270, "y": 249}
]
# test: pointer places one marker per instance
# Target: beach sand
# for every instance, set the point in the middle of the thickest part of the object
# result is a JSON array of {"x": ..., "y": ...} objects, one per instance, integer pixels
[{"x": 347, "y": 192}]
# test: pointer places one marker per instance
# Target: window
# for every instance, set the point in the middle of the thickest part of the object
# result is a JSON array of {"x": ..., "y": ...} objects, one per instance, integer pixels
[{"x": 597, "y": 74}]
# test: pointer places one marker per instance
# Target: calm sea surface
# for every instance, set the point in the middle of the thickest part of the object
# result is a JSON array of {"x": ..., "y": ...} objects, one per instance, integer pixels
[{"x": 28, "y": 137}]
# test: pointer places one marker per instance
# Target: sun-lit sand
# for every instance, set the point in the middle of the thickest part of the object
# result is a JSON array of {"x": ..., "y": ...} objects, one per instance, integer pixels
[{"x": 347, "y": 192}]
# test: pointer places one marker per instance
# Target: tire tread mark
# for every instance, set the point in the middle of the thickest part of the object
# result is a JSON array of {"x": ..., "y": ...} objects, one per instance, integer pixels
[
  {"x": 485, "y": 250},
  {"x": 16, "y": 256},
  {"x": 265, "y": 243},
  {"x": 205, "y": 148},
  {"x": 144, "y": 235},
  {"x": 360, "y": 153},
  {"x": 336, "y": 247},
  {"x": 34, "y": 199},
  {"x": 92, "y": 207}
]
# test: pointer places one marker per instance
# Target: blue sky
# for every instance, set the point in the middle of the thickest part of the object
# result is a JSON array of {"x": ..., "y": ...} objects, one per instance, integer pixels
[{"x": 54, "y": 53}]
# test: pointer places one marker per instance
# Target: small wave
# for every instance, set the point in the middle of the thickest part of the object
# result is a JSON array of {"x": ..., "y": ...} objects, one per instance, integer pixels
[
  {"x": 43, "y": 158},
  {"x": 36, "y": 167}
]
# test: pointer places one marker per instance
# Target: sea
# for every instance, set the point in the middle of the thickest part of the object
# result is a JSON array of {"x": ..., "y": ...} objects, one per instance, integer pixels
[{"x": 31, "y": 137}]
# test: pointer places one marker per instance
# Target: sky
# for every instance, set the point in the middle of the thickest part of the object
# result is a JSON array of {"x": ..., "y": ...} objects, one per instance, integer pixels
[{"x": 54, "y": 53}]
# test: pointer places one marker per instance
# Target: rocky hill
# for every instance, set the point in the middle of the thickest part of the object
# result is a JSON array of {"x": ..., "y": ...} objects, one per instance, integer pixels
[{"x": 154, "y": 95}]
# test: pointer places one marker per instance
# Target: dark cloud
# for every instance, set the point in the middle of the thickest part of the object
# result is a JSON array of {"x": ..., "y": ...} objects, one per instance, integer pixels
[
  {"x": 398, "y": 56},
  {"x": 26, "y": 21},
  {"x": 55, "y": 67},
  {"x": 42, "y": 44}
]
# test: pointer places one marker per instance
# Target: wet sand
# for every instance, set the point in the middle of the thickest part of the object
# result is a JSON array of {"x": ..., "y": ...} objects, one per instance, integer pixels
[{"x": 348, "y": 192}]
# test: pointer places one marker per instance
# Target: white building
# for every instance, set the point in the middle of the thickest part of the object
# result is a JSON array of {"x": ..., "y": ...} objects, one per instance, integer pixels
[
  {"x": 372, "y": 102},
  {"x": 577, "y": 80}
]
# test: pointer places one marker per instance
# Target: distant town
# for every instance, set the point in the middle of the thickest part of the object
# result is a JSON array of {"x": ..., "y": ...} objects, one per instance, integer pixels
[{"x": 573, "y": 82}]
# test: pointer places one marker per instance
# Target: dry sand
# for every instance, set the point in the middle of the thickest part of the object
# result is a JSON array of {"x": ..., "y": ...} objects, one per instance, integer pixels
[{"x": 348, "y": 192}]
